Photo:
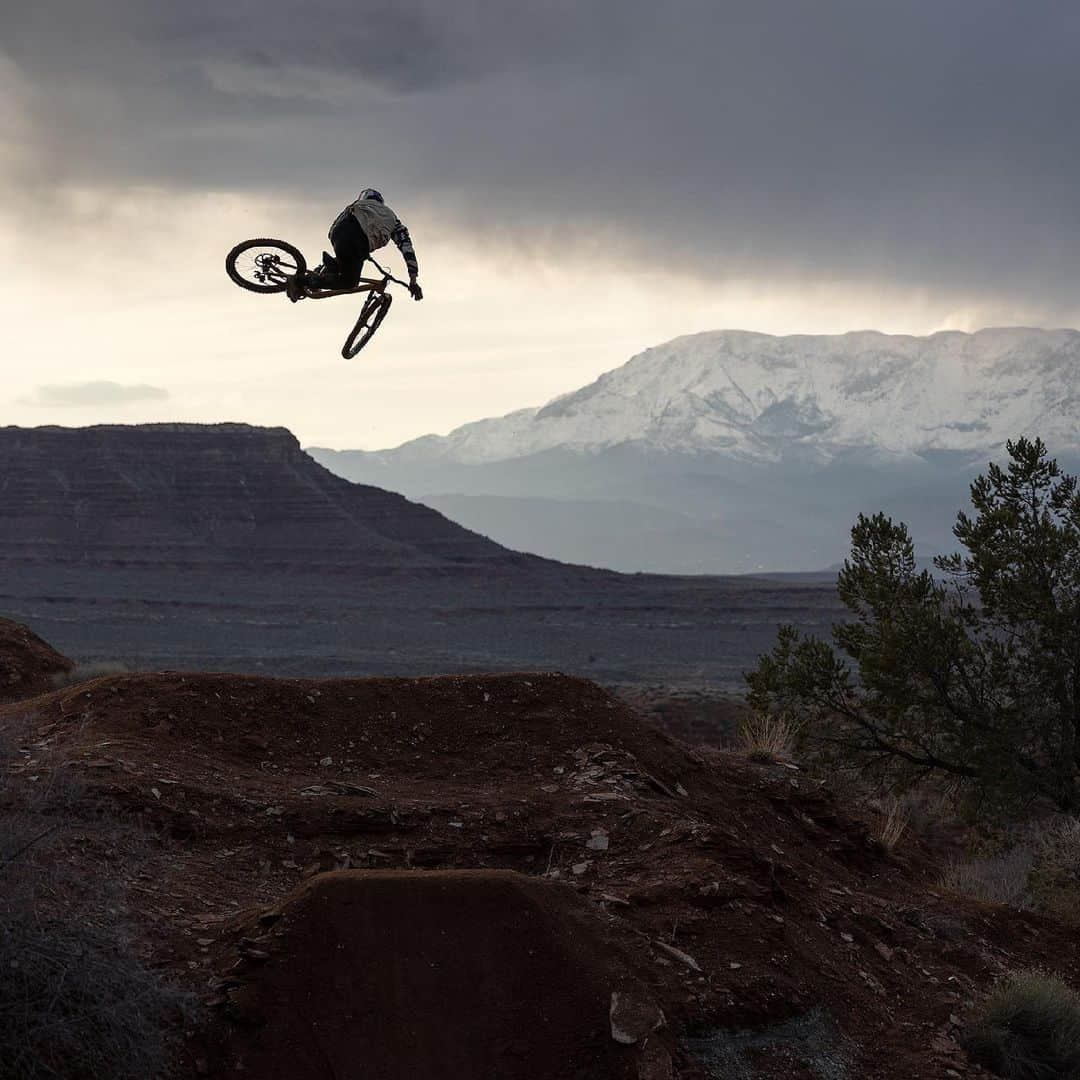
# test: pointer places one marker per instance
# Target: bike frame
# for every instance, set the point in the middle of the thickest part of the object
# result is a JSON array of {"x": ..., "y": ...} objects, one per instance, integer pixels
[{"x": 365, "y": 285}]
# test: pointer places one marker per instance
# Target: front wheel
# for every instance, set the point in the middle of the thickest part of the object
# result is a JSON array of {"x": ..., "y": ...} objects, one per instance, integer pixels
[
  {"x": 264, "y": 266},
  {"x": 371, "y": 317}
]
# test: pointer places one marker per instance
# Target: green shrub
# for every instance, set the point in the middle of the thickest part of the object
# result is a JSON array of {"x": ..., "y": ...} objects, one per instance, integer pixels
[
  {"x": 1028, "y": 1029},
  {"x": 971, "y": 674}
]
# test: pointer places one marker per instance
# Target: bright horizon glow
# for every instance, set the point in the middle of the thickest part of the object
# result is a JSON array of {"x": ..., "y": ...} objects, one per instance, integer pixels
[{"x": 146, "y": 304}]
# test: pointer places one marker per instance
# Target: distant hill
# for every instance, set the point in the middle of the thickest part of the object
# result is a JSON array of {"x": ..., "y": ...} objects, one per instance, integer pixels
[
  {"x": 733, "y": 452},
  {"x": 227, "y": 547},
  {"x": 208, "y": 495}
]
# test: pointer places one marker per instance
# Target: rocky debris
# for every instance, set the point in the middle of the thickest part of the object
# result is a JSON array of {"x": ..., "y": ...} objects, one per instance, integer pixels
[
  {"x": 27, "y": 664},
  {"x": 809, "y": 1042},
  {"x": 340, "y": 787},
  {"x": 654, "y": 1063},
  {"x": 678, "y": 954},
  {"x": 633, "y": 1018}
]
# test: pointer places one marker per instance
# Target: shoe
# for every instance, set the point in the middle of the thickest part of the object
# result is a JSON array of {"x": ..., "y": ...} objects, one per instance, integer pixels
[{"x": 294, "y": 288}]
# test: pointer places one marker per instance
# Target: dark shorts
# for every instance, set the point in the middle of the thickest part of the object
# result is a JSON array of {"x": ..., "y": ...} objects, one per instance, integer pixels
[{"x": 350, "y": 249}]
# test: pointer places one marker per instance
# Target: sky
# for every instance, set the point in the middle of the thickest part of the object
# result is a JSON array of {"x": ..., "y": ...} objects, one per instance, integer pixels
[{"x": 581, "y": 179}]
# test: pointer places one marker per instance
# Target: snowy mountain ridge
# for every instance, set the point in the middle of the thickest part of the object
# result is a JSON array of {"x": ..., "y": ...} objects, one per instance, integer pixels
[
  {"x": 760, "y": 398},
  {"x": 734, "y": 452}
]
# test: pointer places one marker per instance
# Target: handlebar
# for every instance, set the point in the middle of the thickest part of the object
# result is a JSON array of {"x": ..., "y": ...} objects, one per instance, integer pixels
[{"x": 386, "y": 273}]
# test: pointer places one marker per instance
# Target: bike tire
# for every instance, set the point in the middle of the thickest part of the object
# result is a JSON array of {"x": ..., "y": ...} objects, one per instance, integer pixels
[
  {"x": 276, "y": 274},
  {"x": 375, "y": 308}
]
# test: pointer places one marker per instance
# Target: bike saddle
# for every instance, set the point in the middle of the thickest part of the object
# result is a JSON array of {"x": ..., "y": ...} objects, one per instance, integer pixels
[{"x": 329, "y": 261}]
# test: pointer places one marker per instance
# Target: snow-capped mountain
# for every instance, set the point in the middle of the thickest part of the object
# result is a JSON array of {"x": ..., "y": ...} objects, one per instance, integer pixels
[
  {"x": 734, "y": 435},
  {"x": 757, "y": 397}
]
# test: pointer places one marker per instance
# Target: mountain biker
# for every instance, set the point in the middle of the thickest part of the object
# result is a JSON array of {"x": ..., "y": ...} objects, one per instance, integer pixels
[{"x": 364, "y": 226}]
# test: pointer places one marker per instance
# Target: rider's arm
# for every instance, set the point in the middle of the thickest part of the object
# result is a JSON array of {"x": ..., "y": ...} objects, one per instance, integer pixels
[{"x": 401, "y": 237}]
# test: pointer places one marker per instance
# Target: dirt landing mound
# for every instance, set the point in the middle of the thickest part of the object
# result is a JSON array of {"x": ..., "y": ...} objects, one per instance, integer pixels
[
  {"x": 456, "y": 729},
  {"x": 26, "y": 662},
  {"x": 398, "y": 975},
  {"x": 779, "y": 939}
]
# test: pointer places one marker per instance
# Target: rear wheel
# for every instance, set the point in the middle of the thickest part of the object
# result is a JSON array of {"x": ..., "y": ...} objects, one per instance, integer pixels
[
  {"x": 264, "y": 266},
  {"x": 371, "y": 316}
]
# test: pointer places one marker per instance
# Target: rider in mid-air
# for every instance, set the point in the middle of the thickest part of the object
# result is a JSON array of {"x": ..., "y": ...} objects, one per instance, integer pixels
[{"x": 364, "y": 226}]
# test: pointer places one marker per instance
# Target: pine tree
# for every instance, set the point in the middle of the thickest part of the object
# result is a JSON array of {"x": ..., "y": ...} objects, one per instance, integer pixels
[{"x": 971, "y": 673}]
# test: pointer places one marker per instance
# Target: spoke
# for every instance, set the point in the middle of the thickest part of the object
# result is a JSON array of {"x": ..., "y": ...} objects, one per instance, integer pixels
[{"x": 267, "y": 266}]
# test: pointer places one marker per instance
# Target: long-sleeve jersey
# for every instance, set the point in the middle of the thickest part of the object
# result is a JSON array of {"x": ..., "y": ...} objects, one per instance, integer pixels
[{"x": 380, "y": 225}]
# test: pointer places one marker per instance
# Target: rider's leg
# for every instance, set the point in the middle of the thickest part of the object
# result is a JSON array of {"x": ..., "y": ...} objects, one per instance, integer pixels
[{"x": 350, "y": 249}]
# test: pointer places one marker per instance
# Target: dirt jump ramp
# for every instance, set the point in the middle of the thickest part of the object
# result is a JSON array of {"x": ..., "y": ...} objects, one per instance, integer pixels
[{"x": 461, "y": 975}]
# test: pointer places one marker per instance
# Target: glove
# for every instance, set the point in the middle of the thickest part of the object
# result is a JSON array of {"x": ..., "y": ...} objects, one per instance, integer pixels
[{"x": 415, "y": 291}]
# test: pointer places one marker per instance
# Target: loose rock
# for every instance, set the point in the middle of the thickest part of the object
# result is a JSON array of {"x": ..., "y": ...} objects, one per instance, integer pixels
[{"x": 633, "y": 1018}]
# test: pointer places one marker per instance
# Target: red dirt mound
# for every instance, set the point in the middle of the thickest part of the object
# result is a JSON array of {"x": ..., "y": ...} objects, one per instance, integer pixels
[
  {"x": 460, "y": 731},
  {"x": 399, "y": 975},
  {"x": 27, "y": 663},
  {"x": 248, "y": 753},
  {"x": 746, "y": 896}
]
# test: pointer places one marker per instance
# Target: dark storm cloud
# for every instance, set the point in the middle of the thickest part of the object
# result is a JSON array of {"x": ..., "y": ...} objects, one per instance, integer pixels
[{"x": 932, "y": 141}]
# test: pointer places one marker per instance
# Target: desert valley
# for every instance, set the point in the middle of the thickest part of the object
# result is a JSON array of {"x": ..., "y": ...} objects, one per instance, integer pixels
[
  {"x": 539, "y": 541},
  {"x": 368, "y": 781}
]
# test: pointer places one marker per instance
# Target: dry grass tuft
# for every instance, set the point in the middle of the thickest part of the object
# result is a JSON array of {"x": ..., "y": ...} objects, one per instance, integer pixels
[
  {"x": 1028, "y": 1029},
  {"x": 1054, "y": 881},
  {"x": 1002, "y": 879},
  {"x": 769, "y": 736},
  {"x": 892, "y": 823}
]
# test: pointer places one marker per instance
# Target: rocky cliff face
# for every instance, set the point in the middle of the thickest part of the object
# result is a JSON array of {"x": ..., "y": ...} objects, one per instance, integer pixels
[{"x": 195, "y": 495}]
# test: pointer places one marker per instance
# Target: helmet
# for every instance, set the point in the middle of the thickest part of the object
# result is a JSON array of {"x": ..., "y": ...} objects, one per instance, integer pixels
[{"x": 371, "y": 193}]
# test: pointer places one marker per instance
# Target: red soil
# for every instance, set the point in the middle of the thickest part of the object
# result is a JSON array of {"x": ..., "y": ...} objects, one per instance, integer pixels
[
  {"x": 738, "y": 895},
  {"x": 27, "y": 663}
]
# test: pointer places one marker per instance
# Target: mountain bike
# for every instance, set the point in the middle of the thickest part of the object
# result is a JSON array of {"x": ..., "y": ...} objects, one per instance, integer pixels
[{"x": 266, "y": 266}]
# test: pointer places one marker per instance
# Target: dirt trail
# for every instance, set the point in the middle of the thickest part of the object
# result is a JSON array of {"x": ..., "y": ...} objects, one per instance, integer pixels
[{"x": 742, "y": 897}]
